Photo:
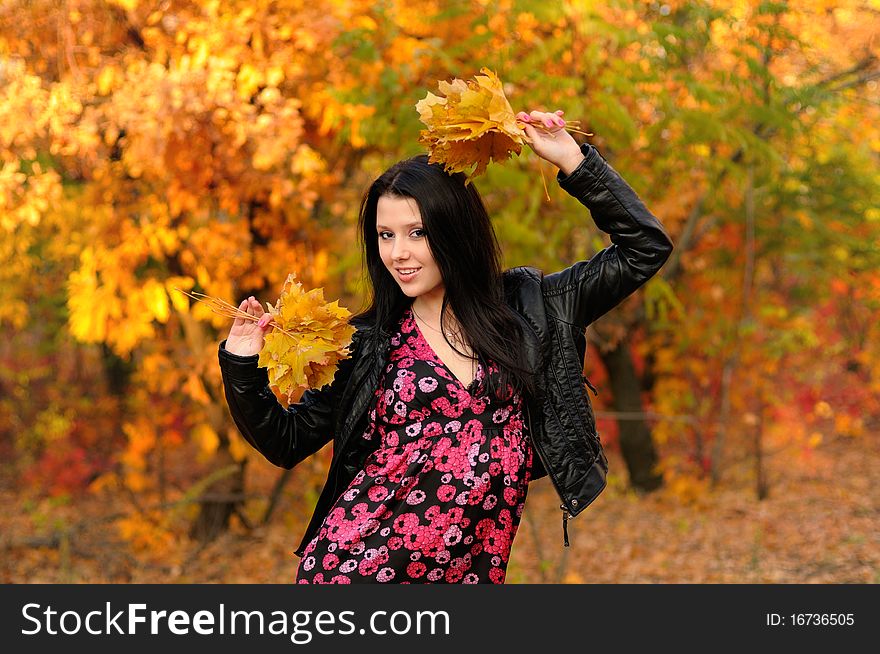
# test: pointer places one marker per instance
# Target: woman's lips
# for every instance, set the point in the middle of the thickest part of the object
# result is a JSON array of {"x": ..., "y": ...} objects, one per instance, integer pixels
[{"x": 409, "y": 277}]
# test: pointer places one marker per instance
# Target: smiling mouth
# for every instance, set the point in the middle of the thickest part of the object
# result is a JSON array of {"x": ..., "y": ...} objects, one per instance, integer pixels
[{"x": 407, "y": 275}]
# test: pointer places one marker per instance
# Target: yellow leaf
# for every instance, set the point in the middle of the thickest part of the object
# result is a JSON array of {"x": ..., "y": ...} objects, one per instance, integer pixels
[
  {"x": 206, "y": 438},
  {"x": 128, "y": 5},
  {"x": 156, "y": 299},
  {"x": 249, "y": 80},
  {"x": 107, "y": 481},
  {"x": 178, "y": 299},
  {"x": 196, "y": 389},
  {"x": 308, "y": 342},
  {"x": 275, "y": 75},
  {"x": 471, "y": 124},
  {"x": 238, "y": 448},
  {"x": 105, "y": 80},
  {"x": 823, "y": 409}
]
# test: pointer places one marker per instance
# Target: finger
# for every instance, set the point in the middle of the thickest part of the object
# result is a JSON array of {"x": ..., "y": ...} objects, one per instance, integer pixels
[
  {"x": 257, "y": 307},
  {"x": 547, "y": 119},
  {"x": 239, "y": 320},
  {"x": 553, "y": 120},
  {"x": 265, "y": 320}
]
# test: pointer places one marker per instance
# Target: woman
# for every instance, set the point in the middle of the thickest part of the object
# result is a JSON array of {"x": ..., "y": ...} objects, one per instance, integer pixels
[{"x": 464, "y": 382}]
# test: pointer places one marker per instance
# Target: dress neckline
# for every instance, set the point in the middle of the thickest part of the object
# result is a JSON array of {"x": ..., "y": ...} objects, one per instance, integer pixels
[{"x": 470, "y": 388}]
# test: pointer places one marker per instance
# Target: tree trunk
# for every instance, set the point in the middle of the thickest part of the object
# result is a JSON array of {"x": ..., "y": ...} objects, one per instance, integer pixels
[
  {"x": 635, "y": 434},
  {"x": 216, "y": 506}
]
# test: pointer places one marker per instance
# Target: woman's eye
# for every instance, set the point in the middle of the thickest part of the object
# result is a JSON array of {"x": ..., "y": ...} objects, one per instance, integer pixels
[{"x": 416, "y": 233}]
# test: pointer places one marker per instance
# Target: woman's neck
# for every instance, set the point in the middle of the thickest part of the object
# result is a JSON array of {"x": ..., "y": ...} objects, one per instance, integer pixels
[
  {"x": 428, "y": 306},
  {"x": 428, "y": 310}
]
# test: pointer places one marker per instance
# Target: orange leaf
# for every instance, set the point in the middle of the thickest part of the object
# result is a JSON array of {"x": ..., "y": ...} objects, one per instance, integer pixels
[{"x": 471, "y": 125}]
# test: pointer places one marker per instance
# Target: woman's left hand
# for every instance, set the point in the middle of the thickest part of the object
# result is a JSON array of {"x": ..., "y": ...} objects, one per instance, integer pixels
[{"x": 551, "y": 141}]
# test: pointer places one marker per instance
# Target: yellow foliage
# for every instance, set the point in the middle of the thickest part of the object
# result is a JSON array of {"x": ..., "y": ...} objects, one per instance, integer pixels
[
  {"x": 105, "y": 80},
  {"x": 196, "y": 389},
  {"x": 847, "y": 425},
  {"x": 823, "y": 409},
  {"x": 471, "y": 124},
  {"x": 179, "y": 301},
  {"x": 136, "y": 481},
  {"x": 156, "y": 298},
  {"x": 207, "y": 440},
  {"x": 128, "y": 5},
  {"x": 141, "y": 441},
  {"x": 107, "y": 481},
  {"x": 52, "y": 426},
  {"x": 310, "y": 342},
  {"x": 90, "y": 304},
  {"x": 160, "y": 374},
  {"x": 146, "y": 534},
  {"x": 238, "y": 448},
  {"x": 688, "y": 489}
]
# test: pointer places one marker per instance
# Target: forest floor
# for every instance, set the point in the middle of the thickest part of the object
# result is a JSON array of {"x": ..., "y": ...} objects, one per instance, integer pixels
[{"x": 819, "y": 523}]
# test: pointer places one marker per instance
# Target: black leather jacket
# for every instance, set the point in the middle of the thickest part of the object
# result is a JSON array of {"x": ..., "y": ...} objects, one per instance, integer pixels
[{"x": 555, "y": 310}]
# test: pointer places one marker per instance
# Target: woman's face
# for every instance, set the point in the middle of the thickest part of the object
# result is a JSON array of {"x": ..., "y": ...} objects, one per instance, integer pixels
[{"x": 403, "y": 246}]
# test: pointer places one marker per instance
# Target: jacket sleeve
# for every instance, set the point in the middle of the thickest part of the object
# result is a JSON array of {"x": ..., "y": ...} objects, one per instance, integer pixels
[
  {"x": 284, "y": 436},
  {"x": 639, "y": 246}
]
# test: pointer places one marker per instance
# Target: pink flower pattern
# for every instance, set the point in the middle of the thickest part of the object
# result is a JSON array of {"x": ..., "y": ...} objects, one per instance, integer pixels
[{"x": 441, "y": 497}]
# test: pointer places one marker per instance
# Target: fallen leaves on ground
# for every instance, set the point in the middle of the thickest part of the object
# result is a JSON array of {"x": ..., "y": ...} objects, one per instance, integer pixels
[{"x": 820, "y": 524}]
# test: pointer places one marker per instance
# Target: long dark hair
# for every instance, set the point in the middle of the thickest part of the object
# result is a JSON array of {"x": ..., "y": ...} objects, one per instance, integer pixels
[{"x": 462, "y": 241}]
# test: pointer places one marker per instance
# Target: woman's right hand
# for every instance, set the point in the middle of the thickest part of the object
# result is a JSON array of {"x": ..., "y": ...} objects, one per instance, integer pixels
[{"x": 246, "y": 336}]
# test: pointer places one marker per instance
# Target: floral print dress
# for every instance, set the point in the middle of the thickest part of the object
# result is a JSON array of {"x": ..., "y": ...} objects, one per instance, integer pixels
[{"x": 441, "y": 497}]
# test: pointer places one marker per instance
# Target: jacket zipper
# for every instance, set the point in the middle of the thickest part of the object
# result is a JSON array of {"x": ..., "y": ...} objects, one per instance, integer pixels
[
  {"x": 564, "y": 524},
  {"x": 565, "y": 514}
]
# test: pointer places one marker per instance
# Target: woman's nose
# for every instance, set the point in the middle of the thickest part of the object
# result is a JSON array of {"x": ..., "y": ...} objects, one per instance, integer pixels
[{"x": 399, "y": 252}]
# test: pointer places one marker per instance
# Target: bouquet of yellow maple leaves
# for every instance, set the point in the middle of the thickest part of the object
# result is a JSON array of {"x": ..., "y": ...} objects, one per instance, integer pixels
[
  {"x": 472, "y": 123},
  {"x": 308, "y": 340}
]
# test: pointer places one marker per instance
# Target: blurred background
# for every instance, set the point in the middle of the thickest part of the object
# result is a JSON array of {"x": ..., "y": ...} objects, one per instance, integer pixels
[{"x": 219, "y": 146}]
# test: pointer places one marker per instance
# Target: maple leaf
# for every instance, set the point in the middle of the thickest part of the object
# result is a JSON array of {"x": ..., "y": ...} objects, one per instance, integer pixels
[
  {"x": 470, "y": 125},
  {"x": 309, "y": 339}
]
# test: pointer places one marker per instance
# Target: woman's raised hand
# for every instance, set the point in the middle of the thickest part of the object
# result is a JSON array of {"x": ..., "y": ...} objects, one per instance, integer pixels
[
  {"x": 552, "y": 142},
  {"x": 246, "y": 336}
]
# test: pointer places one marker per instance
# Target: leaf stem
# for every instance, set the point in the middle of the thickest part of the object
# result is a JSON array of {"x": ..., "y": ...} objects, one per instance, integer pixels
[
  {"x": 223, "y": 308},
  {"x": 570, "y": 126}
]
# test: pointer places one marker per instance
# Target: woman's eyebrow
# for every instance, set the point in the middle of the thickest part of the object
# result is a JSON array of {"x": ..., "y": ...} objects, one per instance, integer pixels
[{"x": 419, "y": 223}]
